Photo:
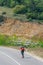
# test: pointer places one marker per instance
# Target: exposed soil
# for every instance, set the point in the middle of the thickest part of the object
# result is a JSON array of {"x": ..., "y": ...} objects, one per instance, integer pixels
[{"x": 26, "y": 29}]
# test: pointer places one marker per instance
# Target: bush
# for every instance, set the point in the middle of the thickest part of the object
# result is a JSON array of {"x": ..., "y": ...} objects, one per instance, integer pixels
[
  {"x": 31, "y": 15},
  {"x": 41, "y": 43},
  {"x": 40, "y": 6},
  {"x": 1, "y": 18},
  {"x": 28, "y": 15},
  {"x": 40, "y": 16},
  {"x": 3, "y": 13},
  {"x": 19, "y": 9},
  {"x": 2, "y": 39},
  {"x": 8, "y": 40},
  {"x": 32, "y": 45},
  {"x": 30, "y": 19},
  {"x": 39, "y": 22},
  {"x": 34, "y": 15},
  {"x": 12, "y": 4}
]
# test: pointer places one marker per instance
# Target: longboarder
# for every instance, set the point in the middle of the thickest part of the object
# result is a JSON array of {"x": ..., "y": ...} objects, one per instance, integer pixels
[{"x": 22, "y": 51}]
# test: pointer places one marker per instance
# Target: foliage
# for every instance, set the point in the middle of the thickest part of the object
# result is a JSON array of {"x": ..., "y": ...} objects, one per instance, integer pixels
[
  {"x": 7, "y": 40},
  {"x": 20, "y": 9},
  {"x": 30, "y": 19},
  {"x": 33, "y": 8},
  {"x": 1, "y": 18},
  {"x": 40, "y": 43},
  {"x": 3, "y": 13},
  {"x": 13, "y": 41},
  {"x": 40, "y": 16},
  {"x": 32, "y": 15}
]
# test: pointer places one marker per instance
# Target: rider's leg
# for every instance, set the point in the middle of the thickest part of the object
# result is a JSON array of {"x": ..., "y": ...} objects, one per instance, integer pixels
[{"x": 22, "y": 54}]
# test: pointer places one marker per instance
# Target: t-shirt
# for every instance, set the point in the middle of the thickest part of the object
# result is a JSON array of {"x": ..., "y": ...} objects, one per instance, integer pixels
[{"x": 22, "y": 49}]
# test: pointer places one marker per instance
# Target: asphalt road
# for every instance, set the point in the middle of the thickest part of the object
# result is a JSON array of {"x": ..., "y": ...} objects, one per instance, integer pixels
[{"x": 9, "y": 56}]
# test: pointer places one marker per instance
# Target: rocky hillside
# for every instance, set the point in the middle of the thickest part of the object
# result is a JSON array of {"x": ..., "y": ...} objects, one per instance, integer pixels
[{"x": 26, "y": 29}]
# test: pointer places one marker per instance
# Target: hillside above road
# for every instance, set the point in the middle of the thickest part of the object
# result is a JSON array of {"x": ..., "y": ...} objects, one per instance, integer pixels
[{"x": 26, "y": 29}]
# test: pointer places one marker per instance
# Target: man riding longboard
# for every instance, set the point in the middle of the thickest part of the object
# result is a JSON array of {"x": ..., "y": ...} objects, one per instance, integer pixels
[{"x": 22, "y": 51}]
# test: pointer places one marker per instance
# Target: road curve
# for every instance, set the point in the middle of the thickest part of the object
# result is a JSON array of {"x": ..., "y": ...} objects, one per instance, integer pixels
[{"x": 9, "y": 56}]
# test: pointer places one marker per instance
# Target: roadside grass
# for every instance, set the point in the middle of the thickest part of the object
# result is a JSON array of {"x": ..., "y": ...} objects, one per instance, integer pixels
[
  {"x": 16, "y": 41},
  {"x": 7, "y": 40},
  {"x": 36, "y": 47},
  {"x": 11, "y": 41},
  {"x": 36, "y": 51},
  {"x": 36, "y": 44}
]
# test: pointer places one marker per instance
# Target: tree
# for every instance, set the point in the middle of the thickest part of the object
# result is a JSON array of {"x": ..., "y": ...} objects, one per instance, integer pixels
[
  {"x": 1, "y": 2},
  {"x": 32, "y": 5},
  {"x": 20, "y": 1}
]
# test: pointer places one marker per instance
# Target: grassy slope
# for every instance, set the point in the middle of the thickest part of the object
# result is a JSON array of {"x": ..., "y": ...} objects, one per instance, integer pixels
[{"x": 9, "y": 11}]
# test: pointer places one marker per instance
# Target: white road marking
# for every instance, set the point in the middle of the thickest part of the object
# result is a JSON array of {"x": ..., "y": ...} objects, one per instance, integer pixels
[{"x": 10, "y": 58}]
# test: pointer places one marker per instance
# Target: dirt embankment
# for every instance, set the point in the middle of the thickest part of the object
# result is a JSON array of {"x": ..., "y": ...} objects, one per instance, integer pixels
[{"x": 26, "y": 29}]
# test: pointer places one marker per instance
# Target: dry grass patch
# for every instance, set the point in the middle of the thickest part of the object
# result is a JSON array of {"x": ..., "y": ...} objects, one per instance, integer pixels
[{"x": 36, "y": 51}]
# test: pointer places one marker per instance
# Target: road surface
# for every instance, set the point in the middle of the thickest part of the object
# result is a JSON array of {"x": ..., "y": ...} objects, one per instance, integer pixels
[{"x": 9, "y": 56}]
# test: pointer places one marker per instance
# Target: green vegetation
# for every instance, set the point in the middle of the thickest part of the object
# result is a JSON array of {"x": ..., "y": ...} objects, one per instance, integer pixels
[
  {"x": 32, "y": 9},
  {"x": 7, "y": 40},
  {"x": 10, "y": 40},
  {"x": 20, "y": 9},
  {"x": 1, "y": 18},
  {"x": 38, "y": 44},
  {"x": 14, "y": 41}
]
